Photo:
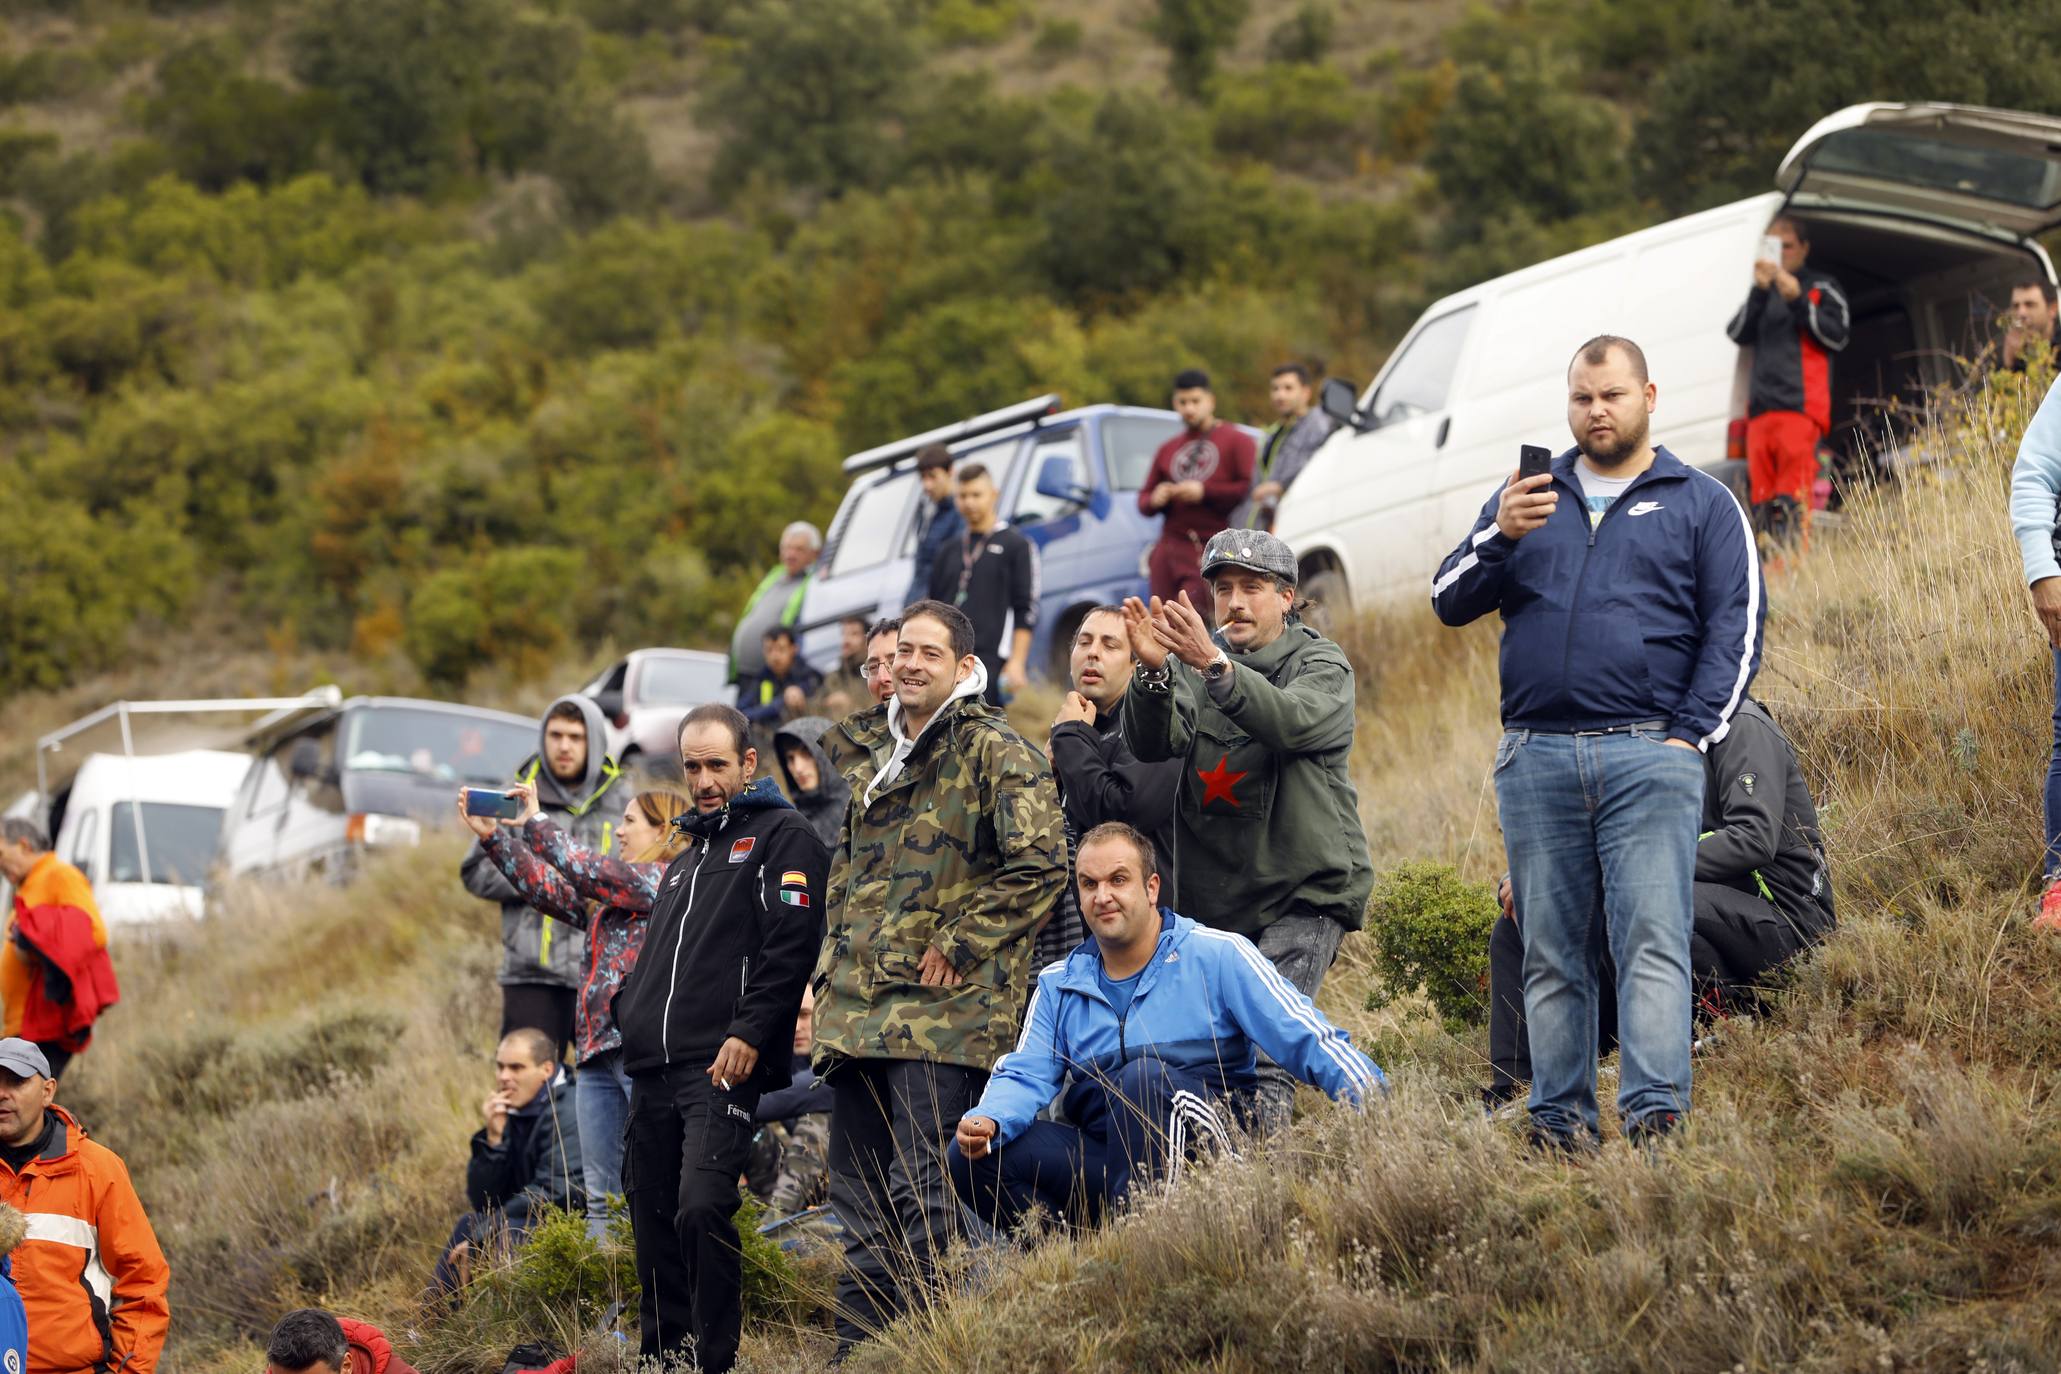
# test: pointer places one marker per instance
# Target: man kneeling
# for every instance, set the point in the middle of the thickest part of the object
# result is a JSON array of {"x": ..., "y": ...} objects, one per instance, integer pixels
[{"x": 1156, "y": 1019}]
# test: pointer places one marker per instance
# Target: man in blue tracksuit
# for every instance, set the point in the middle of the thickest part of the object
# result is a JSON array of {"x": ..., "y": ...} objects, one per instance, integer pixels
[
  {"x": 2036, "y": 520},
  {"x": 1155, "y": 1020},
  {"x": 1632, "y": 613}
]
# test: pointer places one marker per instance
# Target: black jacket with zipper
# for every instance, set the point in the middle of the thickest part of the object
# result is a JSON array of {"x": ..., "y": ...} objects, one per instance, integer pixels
[
  {"x": 732, "y": 940},
  {"x": 1760, "y": 827}
]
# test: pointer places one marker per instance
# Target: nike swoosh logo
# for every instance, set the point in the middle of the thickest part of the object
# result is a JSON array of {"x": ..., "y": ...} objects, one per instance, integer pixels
[{"x": 1645, "y": 508}]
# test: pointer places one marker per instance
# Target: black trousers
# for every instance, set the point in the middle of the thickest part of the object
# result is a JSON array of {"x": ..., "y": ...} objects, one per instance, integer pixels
[
  {"x": 539, "y": 1006},
  {"x": 1735, "y": 941},
  {"x": 889, "y": 1126},
  {"x": 685, "y": 1145}
]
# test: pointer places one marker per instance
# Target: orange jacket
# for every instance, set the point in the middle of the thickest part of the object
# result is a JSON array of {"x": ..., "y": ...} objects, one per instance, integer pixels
[
  {"x": 50, "y": 882},
  {"x": 91, "y": 1273}
]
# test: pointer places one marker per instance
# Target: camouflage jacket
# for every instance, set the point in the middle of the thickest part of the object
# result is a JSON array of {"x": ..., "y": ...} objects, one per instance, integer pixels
[{"x": 963, "y": 850}]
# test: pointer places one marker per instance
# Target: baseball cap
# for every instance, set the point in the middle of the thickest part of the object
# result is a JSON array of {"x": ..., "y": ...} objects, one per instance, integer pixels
[
  {"x": 22, "y": 1057},
  {"x": 1255, "y": 550}
]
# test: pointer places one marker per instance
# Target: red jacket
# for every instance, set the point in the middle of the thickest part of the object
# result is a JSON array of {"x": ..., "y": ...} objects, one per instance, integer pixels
[
  {"x": 62, "y": 1008},
  {"x": 371, "y": 1351}
]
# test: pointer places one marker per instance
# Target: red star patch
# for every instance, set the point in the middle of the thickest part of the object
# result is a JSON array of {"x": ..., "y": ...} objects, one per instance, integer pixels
[{"x": 1219, "y": 783}]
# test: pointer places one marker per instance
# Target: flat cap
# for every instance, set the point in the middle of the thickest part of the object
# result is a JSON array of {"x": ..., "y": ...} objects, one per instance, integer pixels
[{"x": 1254, "y": 549}]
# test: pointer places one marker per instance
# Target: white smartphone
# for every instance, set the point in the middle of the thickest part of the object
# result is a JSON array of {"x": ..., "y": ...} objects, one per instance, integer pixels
[{"x": 1770, "y": 249}]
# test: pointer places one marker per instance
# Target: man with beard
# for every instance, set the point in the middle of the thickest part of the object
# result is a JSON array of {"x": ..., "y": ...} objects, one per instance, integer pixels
[
  {"x": 1198, "y": 478},
  {"x": 707, "y": 1018},
  {"x": 1100, "y": 779},
  {"x": 1291, "y": 443},
  {"x": 544, "y": 960},
  {"x": 1632, "y": 619},
  {"x": 1260, "y": 717},
  {"x": 952, "y": 854}
]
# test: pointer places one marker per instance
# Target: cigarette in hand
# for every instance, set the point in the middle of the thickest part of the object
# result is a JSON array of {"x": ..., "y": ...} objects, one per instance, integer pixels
[{"x": 724, "y": 1084}]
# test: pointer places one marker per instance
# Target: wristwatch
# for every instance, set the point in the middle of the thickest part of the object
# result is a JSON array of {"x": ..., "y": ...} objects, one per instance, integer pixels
[{"x": 1214, "y": 670}]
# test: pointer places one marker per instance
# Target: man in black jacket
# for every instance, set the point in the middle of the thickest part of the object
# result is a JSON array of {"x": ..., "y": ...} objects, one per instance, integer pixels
[
  {"x": 1099, "y": 778},
  {"x": 938, "y": 525},
  {"x": 1763, "y": 893},
  {"x": 526, "y": 1157},
  {"x": 991, "y": 573},
  {"x": 707, "y": 1018}
]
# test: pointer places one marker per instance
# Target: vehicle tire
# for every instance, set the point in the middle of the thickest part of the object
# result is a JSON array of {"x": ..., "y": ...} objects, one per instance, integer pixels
[{"x": 1329, "y": 603}]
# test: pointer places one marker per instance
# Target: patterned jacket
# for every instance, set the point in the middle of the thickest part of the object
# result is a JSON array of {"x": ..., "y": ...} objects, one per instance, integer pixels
[
  {"x": 559, "y": 876},
  {"x": 962, "y": 849}
]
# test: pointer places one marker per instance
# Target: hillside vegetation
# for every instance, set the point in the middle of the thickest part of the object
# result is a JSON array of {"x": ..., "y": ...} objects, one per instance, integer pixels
[
  {"x": 440, "y": 340},
  {"x": 1872, "y": 1179}
]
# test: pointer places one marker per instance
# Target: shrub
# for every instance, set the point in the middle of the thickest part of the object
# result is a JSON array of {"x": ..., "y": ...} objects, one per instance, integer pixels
[
  {"x": 1431, "y": 932},
  {"x": 974, "y": 23},
  {"x": 221, "y": 126},
  {"x": 506, "y": 607},
  {"x": 1304, "y": 36},
  {"x": 1057, "y": 38},
  {"x": 1195, "y": 32},
  {"x": 1292, "y": 116}
]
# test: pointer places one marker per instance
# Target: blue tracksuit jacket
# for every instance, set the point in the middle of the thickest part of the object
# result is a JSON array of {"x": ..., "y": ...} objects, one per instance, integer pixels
[
  {"x": 1654, "y": 614},
  {"x": 1205, "y": 1000}
]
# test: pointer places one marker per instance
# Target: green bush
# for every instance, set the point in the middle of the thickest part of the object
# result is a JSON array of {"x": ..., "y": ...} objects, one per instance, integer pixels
[
  {"x": 1057, "y": 38},
  {"x": 1195, "y": 33},
  {"x": 974, "y": 23},
  {"x": 1304, "y": 36},
  {"x": 506, "y": 607},
  {"x": 1301, "y": 117},
  {"x": 1431, "y": 932},
  {"x": 221, "y": 126}
]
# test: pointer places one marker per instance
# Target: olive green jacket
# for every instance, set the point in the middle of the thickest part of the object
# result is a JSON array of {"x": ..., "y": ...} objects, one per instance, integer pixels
[
  {"x": 1269, "y": 821},
  {"x": 962, "y": 850}
]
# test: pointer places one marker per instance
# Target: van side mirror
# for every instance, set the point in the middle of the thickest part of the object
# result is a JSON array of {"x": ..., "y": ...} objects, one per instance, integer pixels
[
  {"x": 304, "y": 764},
  {"x": 1056, "y": 480},
  {"x": 1340, "y": 400}
]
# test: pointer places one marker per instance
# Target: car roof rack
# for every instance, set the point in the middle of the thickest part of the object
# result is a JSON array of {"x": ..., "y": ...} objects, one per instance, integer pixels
[
  {"x": 122, "y": 711},
  {"x": 1023, "y": 413}
]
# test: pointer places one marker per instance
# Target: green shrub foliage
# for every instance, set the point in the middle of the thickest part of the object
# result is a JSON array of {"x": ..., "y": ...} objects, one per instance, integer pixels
[{"x": 1431, "y": 932}]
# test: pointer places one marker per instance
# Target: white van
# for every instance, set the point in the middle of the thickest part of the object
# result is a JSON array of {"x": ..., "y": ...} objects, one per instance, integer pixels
[
  {"x": 1924, "y": 213},
  {"x": 144, "y": 829}
]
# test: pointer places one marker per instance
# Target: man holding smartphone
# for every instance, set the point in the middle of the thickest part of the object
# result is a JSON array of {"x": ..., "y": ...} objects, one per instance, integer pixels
[
  {"x": 1794, "y": 320},
  {"x": 1632, "y": 628}
]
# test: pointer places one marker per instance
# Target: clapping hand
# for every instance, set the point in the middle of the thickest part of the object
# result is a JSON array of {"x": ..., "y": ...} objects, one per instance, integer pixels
[
  {"x": 1183, "y": 630},
  {"x": 1145, "y": 644}
]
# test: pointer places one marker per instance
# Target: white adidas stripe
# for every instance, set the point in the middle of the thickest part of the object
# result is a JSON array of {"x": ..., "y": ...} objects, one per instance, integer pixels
[
  {"x": 1355, "y": 1066},
  {"x": 1746, "y": 654}
]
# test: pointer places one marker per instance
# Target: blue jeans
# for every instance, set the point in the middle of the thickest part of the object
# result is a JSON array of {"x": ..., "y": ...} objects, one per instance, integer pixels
[
  {"x": 601, "y": 1106},
  {"x": 1601, "y": 836},
  {"x": 2053, "y": 861}
]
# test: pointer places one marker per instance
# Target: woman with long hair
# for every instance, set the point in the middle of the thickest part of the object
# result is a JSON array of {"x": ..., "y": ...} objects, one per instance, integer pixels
[{"x": 611, "y": 900}]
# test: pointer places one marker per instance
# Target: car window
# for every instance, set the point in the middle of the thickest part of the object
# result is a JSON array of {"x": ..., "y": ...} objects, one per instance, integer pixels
[
  {"x": 275, "y": 774},
  {"x": 1129, "y": 443},
  {"x": 1422, "y": 377},
  {"x": 866, "y": 537},
  {"x": 180, "y": 841},
  {"x": 681, "y": 681},
  {"x": 449, "y": 746},
  {"x": 1031, "y": 505},
  {"x": 82, "y": 843}
]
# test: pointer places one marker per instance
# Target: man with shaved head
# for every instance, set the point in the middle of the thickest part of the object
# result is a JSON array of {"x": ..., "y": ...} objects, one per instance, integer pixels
[{"x": 1631, "y": 599}]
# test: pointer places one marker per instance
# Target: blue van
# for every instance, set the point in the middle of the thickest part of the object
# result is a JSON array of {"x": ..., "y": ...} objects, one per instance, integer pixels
[{"x": 1068, "y": 479}]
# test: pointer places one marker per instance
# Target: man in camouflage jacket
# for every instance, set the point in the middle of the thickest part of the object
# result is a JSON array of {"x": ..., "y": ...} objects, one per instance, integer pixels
[{"x": 953, "y": 854}]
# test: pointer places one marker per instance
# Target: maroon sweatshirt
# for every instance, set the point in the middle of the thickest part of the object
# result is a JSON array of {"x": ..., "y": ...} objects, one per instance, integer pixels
[{"x": 1222, "y": 460}]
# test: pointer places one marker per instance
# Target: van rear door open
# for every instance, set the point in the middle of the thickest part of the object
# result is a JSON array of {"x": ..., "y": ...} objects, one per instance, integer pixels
[{"x": 1996, "y": 172}]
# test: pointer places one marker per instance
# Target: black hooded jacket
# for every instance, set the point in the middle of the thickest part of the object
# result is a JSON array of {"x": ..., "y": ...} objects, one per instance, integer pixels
[
  {"x": 823, "y": 808},
  {"x": 1760, "y": 827},
  {"x": 732, "y": 940}
]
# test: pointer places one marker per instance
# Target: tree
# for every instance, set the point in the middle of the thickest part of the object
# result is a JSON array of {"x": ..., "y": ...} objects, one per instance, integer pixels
[
  {"x": 804, "y": 90},
  {"x": 1195, "y": 32}
]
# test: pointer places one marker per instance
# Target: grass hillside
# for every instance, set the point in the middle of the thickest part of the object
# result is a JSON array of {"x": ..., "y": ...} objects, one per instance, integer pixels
[{"x": 1872, "y": 1178}]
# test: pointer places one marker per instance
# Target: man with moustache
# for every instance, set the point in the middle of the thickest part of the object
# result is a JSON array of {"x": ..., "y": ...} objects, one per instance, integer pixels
[
  {"x": 952, "y": 854},
  {"x": 1260, "y": 717},
  {"x": 707, "y": 1018},
  {"x": 1632, "y": 617},
  {"x": 1099, "y": 778},
  {"x": 1149, "y": 1030}
]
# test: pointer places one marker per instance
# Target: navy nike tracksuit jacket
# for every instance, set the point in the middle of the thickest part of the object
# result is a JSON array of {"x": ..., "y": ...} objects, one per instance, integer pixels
[{"x": 1655, "y": 614}]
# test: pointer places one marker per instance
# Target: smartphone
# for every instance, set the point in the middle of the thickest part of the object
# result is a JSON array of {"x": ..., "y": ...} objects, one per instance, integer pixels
[
  {"x": 1532, "y": 461},
  {"x": 1770, "y": 248},
  {"x": 488, "y": 804}
]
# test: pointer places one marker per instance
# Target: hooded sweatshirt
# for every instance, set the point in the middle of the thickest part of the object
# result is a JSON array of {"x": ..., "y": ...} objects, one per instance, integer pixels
[
  {"x": 823, "y": 806},
  {"x": 534, "y": 947}
]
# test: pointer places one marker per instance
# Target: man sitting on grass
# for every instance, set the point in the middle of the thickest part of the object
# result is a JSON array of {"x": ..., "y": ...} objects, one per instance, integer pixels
[{"x": 1157, "y": 1019}]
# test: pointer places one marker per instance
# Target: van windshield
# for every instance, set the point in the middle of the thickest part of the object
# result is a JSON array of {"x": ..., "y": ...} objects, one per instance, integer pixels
[
  {"x": 180, "y": 840},
  {"x": 447, "y": 746}
]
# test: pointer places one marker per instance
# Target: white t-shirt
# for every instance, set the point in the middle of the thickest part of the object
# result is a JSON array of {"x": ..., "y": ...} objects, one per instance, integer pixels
[{"x": 1599, "y": 491}]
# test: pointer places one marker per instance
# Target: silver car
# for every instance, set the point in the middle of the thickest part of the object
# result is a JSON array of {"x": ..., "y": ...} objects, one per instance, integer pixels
[{"x": 644, "y": 696}]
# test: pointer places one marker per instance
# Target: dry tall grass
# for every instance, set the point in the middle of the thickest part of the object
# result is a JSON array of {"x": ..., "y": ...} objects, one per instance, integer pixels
[{"x": 1872, "y": 1178}]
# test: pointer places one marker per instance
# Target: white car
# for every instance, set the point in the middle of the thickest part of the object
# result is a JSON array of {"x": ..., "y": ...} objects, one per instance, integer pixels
[
  {"x": 644, "y": 695},
  {"x": 1926, "y": 214}
]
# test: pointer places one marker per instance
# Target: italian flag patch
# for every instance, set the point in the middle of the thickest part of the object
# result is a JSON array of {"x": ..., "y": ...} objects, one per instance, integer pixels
[{"x": 794, "y": 898}]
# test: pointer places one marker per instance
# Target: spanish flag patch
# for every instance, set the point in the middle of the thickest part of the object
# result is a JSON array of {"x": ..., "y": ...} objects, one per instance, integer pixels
[{"x": 794, "y": 877}]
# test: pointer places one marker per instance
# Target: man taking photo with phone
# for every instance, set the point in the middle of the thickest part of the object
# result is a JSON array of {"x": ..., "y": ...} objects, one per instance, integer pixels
[{"x": 1632, "y": 618}]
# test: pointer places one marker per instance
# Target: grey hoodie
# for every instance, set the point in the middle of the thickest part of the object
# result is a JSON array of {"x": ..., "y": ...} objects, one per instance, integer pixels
[
  {"x": 534, "y": 947},
  {"x": 824, "y": 807}
]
